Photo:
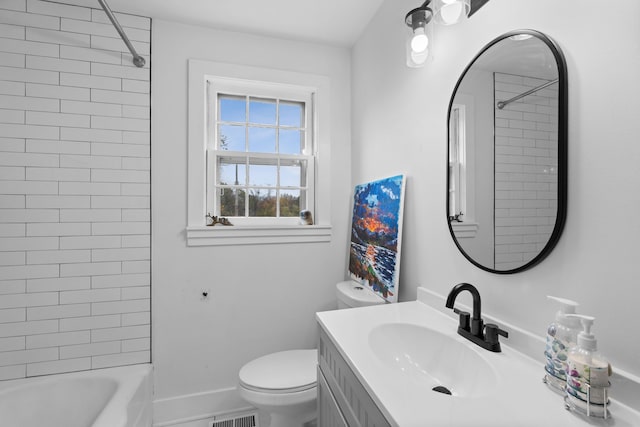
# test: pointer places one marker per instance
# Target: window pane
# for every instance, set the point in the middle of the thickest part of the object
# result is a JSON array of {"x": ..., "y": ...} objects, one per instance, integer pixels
[
  {"x": 262, "y": 140},
  {"x": 232, "y": 202},
  {"x": 289, "y": 203},
  {"x": 291, "y": 114},
  {"x": 232, "y": 108},
  {"x": 292, "y": 173},
  {"x": 262, "y": 202},
  {"x": 262, "y": 175},
  {"x": 232, "y": 138},
  {"x": 262, "y": 111},
  {"x": 291, "y": 141},
  {"x": 232, "y": 171}
]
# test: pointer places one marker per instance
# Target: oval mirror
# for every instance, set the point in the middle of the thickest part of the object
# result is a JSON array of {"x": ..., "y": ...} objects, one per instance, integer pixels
[{"x": 507, "y": 156}]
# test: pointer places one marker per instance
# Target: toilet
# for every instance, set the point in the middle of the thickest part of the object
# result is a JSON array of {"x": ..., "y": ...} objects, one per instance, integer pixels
[{"x": 283, "y": 385}]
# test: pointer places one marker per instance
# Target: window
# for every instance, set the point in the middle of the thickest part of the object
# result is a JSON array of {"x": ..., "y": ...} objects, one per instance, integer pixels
[
  {"x": 457, "y": 164},
  {"x": 258, "y": 155}
]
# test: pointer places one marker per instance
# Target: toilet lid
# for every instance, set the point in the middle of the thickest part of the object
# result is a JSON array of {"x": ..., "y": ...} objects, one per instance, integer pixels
[{"x": 293, "y": 370}]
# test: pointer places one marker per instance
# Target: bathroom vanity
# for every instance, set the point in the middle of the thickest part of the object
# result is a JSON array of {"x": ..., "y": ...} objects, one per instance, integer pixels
[{"x": 404, "y": 365}]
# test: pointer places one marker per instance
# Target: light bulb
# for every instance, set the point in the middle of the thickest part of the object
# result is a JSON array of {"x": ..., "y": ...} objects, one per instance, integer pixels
[
  {"x": 420, "y": 41},
  {"x": 451, "y": 13}
]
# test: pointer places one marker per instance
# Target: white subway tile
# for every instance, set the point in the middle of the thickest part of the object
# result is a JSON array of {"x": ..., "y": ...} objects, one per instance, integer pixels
[
  {"x": 10, "y": 202},
  {"x": 141, "y": 318},
  {"x": 12, "y": 59},
  {"x": 29, "y": 131},
  {"x": 59, "y": 229},
  {"x": 122, "y": 228},
  {"x": 136, "y": 86},
  {"x": 12, "y": 343},
  {"x": 59, "y": 147},
  {"x": 58, "y": 9},
  {"x": 90, "y": 269},
  {"x": 27, "y": 244},
  {"x": 142, "y": 292},
  {"x": 135, "y": 215},
  {"x": 57, "y": 174},
  {"x": 138, "y": 344},
  {"x": 29, "y": 159},
  {"x": 28, "y": 187},
  {"x": 90, "y": 81},
  {"x": 12, "y": 258},
  {"x": 120, "y": 71},
  {"x": 122, "y": 254},
  {"x": 113, "y": 97},
  {"x": 93, "y": 349},
  {"x": 126, "y": 20},
  {"x": 90, "y": 295},
  {"x": 12, "y": 286},
  {"x": 143, "y": 241},
  {"x": 125, "y": 332},
  {"x": 12, "y": 31},
  {"x": 98, "y": 362},
  {"x": 125, "y": 150},
  {"x": 58, "y": 366},
  {"x": 120, "y": 123},
  {"x": 121, "y": 280},
  {"x": 58, "y": 339},
  {"x": 28, "y": 328},
  {"x": 90, "y": 242},
  {"x": 11, "y": 173},
  {"x": 90, "y": 215},
  {"x": 58, "y": 284},
  {"x": 28, "y": 215},
  {"x": 58, "y": 37},
  {"x": 11, "y": 315},
  {"x": 88, "y": 54},
  {"x": 29, "y": 300},
  {"x": 129, "y": 137},
  {"x": 135, "y": 189},
  {"x": 109, "y": 43},
  {"x": 13, "y": 372},
  {"x": 110, "y": 175},
  {"x": 102, "y": 29},
  {"x": 90, "y": 162},
  {"x": 92, "y": 108},
  {"x": 126, "y": 202},
  {"x": 137, "y": 163},
  {"x": 136, "y": 267},
  {"x": 29, "y": 103},
  {"x": 117, "y": 307},
  {"x": 27, "y": 272},
  {"x": 58, "y": 257},
  {"x": 100, "y": 135},
  {"x": 58, "y": 202},
  {"x": 12, "y": 230},
  {"x": 58, "y": 92},
  {"x": 91, "y": 188},
  {"x": 29, "y": 47},
  {"x": 92, "y": 322},
  {"x": 17, "y": 88},
  {"x": 28, "y": 356},
  {"x": 12, "y": 144},
  {"x": 29, "y": 19},
  {"x": 12, "y": 116},
  {"x": 136, "y": 112}
]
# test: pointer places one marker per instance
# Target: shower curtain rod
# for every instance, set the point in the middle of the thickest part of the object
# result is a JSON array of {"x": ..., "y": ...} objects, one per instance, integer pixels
[
  {"x": 502, "y": 104},
  {"x": 137, "y": 59}
]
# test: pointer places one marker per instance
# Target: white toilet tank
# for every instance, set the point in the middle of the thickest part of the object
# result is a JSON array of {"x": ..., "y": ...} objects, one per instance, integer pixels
[{"x": 351, "y": 294}]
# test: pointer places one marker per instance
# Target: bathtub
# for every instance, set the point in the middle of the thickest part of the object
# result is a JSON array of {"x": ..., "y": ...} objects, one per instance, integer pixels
[{"x": 113, "y": 397}]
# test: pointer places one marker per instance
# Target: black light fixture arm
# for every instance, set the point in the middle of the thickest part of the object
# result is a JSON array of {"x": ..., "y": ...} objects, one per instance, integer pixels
[
  {"x": 137, "y": 59},
  {"x": 420, "y": 16}
]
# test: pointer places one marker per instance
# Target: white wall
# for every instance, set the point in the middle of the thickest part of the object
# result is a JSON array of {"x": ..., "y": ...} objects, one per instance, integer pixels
[
  {"x": 74, "y": 190},
  {"x": 399, "y": 123},
  {"x": 262, "y": 298}
]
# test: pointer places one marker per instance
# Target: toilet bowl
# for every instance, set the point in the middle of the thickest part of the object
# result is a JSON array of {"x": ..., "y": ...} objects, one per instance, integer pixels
[{"x": 282, "y": 386}]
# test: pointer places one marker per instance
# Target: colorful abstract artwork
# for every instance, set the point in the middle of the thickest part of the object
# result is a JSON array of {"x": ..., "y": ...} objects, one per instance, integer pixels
[{"x": 376, "y": 234}]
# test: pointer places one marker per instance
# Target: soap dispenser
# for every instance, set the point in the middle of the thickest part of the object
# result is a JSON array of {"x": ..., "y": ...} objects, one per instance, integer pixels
[
  {"x": 588, "y": 374},
  {"x": 561, "y": 336}
]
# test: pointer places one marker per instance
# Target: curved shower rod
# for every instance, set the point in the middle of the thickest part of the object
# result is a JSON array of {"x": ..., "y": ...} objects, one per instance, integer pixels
[
  {"x": 137, "y": 59},
  {"x": 502, "y": 104}
]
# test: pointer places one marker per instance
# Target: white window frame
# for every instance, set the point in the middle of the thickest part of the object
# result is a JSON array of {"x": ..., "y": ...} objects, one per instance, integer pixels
[{"x": 255, "y": 230}]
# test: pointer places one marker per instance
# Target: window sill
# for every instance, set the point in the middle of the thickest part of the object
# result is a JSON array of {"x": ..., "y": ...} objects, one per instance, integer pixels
[
  {"x": 257, "y": 235},
  {"x": 465, "y": 230}
]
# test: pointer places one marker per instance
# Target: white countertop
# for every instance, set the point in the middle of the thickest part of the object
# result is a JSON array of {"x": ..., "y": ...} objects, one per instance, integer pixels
[{"x": 519, "y": 399}]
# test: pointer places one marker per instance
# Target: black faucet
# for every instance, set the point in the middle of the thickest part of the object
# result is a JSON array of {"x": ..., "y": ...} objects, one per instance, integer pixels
[{"x": 472, "y": 326}]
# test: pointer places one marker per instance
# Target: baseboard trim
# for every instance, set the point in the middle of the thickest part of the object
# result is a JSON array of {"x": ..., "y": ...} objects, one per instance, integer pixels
[{"x": 177, "y": 410}]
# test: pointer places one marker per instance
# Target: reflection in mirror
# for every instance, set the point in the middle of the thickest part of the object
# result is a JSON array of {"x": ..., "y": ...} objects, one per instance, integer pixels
[{"x": 507, "y": 155}]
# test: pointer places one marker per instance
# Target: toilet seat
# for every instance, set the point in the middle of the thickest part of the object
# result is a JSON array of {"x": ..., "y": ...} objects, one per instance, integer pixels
[{"x": 284, "y": 372}]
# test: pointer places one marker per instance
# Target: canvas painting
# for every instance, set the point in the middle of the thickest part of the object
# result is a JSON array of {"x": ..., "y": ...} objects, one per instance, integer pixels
[{"x": 376, "y": 234}]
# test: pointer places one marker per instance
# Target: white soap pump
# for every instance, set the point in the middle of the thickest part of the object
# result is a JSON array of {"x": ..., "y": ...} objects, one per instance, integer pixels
[
  {"x": 588, "y": 373},
  {"x": 561, "y": 336}
]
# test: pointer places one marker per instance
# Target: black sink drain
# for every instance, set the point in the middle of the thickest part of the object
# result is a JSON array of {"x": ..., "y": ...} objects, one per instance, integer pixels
[{"x": 442, "y": 389}]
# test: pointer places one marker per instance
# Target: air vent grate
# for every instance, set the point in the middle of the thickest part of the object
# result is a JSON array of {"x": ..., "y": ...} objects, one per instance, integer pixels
[{"x": 250, "y": 420}]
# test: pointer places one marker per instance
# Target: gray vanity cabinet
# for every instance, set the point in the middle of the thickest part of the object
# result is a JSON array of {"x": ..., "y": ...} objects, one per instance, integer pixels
[{"x": 342, "y": 400}]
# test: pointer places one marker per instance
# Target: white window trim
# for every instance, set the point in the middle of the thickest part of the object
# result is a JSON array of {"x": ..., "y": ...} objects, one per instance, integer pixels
[{"x": 198, "y": 234}]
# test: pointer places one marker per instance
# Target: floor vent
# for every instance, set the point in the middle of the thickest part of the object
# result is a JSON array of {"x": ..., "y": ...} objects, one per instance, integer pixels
[{"x": 245, "y": 420}]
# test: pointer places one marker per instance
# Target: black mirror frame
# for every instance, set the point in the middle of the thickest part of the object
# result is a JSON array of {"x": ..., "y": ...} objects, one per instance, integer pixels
[{"x": 562, "y": 150}]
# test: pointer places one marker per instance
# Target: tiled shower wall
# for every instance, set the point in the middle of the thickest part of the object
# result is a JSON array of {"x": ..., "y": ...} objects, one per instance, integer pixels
[
  {"x": 74, "y": 190},
  {"x": 526, "y": 159}
]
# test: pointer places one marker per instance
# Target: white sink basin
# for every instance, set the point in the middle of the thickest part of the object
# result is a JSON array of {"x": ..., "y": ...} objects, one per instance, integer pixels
[{"x": 430, "y": 359}]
